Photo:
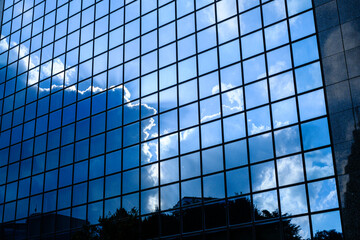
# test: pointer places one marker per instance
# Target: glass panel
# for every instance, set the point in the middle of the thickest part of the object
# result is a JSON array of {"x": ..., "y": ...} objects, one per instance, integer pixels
[
  {"x": 261, "y": 147},
  {"x": 189, "y": 140},
  {"x": 263, "y": 176},
  {"x": 206, "y": 38},
  {"x": 276, "y": 35},
  {"x": 284, "y": 113},
  {"x": 290, "y": 170},
  {"x": 149, "y": 152},
  {"x": 112, "y": 185},
  {"x": 312, "y": 105},
  {"x": 274, "y": 11},
  {"x": 235, "y": 154},
  {"x": 96, "y": 190},
  {"x": 302, "y": 25},
  {"x": 170, "y": 196},
  {"x": 279, "y": 60},
  {"x": 238, "y": 182},
  {"x": 149, "y": 201},
  {"x": 168, "y": 122},
  {"x": 323, "y": 195},
  {"x": 188, "y": 115},
  {"x": 315, "y": 134},
  {"x": 293, "y": 200},
  {"x": 190, "y": 165},
  {"x": 212, "y": 160},
  {"x": 319, "y": 164},
  {"x": 149, "y": 176},
  {"x": 281, "y": 86},
  {"x": 252, "y": 44},
  {"x": 95, "y": 211},
  {"x": 131, "y": 157},
  {"x": 214, "y": 186},
  {"x": 130, "y": 202},
  {"x": 250, "y": 21},
  {"x": 266, "y": 205},
  {"x": 191, "y": 190},
  {"x": 234, "y": 127},
  {"x": 210, "y": 109},
  {"x": 258, "y": 120},
  {"x": 187, "y": 92},
  {"x": 308, "y": 77},
  {"x": 256, "y": 94},
  {"x": 169, "y": 171},
  {"x": 209, "y": 84},
  {"x": 130, "y": 181},
  {"x": 287, "y": 141},
  {"x": 308, "y": 46},
  {"x": 327, "y": 224},
  {"x": 211, "y": 134},
  {"x": 79, "y": 194}
]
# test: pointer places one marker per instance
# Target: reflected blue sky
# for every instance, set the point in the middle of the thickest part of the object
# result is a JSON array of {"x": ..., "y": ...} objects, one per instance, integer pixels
[{"x": 151, "y": 97}]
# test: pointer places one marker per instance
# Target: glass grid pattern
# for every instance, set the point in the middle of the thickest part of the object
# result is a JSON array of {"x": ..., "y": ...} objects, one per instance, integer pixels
[{"x": 166, "y": 106}]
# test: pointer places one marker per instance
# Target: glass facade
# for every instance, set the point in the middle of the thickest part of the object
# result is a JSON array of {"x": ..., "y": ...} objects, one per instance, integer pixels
[{"x": 209, "y": 118}]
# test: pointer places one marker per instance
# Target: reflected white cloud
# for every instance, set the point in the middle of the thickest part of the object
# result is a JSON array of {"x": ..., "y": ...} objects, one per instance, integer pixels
[
  {"x": 290, "y": 170},
  {"x": 185, "y": 134},
  {"x": 303, "y": 223},
  {"x": 258, "y": 129},
  {"x": 293, "y": 200},
  {"x": 263, "y": 176},
  {"x": 323, "y": 195},
  {"x": 277, "y": 67},
  {"x": 281, "y": 86},
  {"x": 233, "y": 101},
  {"x": 266, "y": 201},
  {"x": 209, "y": 117},
  {"x": 318, "y": 165}
]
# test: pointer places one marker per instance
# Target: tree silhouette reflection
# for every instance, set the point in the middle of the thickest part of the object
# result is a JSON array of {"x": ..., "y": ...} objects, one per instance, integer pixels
[{"x": 129, "y": 225}]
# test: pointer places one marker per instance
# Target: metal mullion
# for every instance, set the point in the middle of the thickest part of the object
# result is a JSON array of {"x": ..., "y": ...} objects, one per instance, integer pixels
[
  {"x": 328, "y": 117},
  {"x": 158, "y": 105},
  {"x": 202, "y": 203},
  {"x": 246, "y": 124},
  {"x": 2, "y": 4},
  {"x": 300, "y": 125},
  {"x": 21, "y": 160},
  {"x": 250, "y": 83},
  {"x": 47, "y": 131},
  {"x": 76, "y": 123},
  {"x": 90, "y": 115},
  {"x": 62, "y": 114},
  {"x": 2, "y": 109},
  {"x": 299, "y": 121},
  {"x": 12, "y": 113},
  {"x": 178, "y": 114},
  {"x": 122, "y": 106},
  {"x": 45, "y": 29},
  {"x": 271, "y": 122},
  {"x": 25, "y": 104},
  {"x": 274, "y": 23},
  {"x": 247, "y": 134},
  {"x": 222, "y": 117},
  {"x": 177, "y": 108},
  {"x": 7, "y": 63},
  {"x": 105, "y": 113},
  {"x": 139, "y": 167},
  {"x": 256, "y": 163}
]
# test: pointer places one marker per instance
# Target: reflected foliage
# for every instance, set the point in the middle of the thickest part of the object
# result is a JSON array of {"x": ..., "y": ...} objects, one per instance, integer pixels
[
  {"x": 328, "y": 235},
  {"x": 127, "y": 225},
  {"x": 120, "y": 225}
]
